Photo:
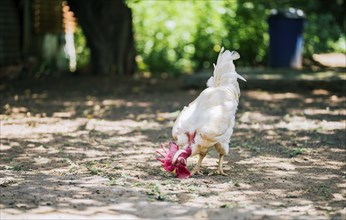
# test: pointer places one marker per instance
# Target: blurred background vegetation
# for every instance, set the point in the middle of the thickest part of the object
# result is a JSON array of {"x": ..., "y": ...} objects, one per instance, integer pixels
[
  {"x": 155, "y": 37},
  {"x": 175, "y": 37},
  {"x": 82, "y": 51}
]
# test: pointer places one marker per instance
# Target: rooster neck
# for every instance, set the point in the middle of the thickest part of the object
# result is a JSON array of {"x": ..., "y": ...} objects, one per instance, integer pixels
[
  {"x": 188, "y": 150},
  {"x": 191, "y": 137}
]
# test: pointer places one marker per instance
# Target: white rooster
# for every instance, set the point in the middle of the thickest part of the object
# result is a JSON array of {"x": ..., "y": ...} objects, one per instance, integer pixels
[{"x": 208, "y": 121}]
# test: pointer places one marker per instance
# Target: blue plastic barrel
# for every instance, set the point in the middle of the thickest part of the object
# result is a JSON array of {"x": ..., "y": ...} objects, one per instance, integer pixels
[{"x": 286, "y": 38}]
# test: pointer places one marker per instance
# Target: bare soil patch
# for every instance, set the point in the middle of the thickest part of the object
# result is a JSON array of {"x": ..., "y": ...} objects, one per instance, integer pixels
[{"x": 83, "y": 147}]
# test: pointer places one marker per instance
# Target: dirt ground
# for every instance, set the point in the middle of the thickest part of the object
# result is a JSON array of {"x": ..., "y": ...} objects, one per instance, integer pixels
[{"x": 83, "y": 148}]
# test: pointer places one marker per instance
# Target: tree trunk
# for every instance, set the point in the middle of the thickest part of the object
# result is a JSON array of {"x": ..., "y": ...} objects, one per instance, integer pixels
[{"x": 107, "y": 26}]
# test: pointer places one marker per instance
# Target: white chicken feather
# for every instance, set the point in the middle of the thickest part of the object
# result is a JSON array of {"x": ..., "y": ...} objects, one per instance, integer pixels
[{"x": 211, "y": 116}]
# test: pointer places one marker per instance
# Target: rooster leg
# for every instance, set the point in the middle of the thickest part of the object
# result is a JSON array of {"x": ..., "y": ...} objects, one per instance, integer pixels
[
  {"x": 198, "y": 165},
  {"x": 219, "y": 168}
]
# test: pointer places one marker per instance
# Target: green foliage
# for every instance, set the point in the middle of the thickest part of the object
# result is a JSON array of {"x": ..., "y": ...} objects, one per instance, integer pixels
[
  {"x": 82, "y": 51},
  {"x": 248, "y": 31},
  {"x": 177, "y": 36},
  {"x": 164, "y": 34},
  {"x": 183, "y": 36},
  {"x": 318, "y": 39}
]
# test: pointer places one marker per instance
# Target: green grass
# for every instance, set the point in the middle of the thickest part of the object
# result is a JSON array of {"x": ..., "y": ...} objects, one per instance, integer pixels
[
  {"x": 295, "y": 152},
  {"x": 92, "y": 169},
  {"x": 156, "y": 192},
  {"x": 17, "y": 166},
  {"x": 321, "y": 190},
  {"x": 252, "y": 147}
]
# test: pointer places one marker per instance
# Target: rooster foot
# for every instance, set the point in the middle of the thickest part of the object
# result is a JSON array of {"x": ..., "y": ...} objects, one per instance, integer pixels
[
  {"x": 217, "y": 172},
  {"x": 220, "y": 171},
  {"x": 219, "y": 167}
]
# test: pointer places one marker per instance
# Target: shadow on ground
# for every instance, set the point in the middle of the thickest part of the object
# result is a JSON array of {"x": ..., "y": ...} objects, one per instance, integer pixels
[{"x": 84, "y": 147}]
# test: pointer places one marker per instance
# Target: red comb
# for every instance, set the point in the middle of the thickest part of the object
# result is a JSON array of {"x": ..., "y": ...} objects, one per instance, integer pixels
[{"x": 167, "y": 160}]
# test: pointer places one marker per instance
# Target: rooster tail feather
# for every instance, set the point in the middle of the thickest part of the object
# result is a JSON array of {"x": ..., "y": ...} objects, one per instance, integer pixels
[
  {"x": 224, "y": 69},
  {"x": 235, "y": 55}
]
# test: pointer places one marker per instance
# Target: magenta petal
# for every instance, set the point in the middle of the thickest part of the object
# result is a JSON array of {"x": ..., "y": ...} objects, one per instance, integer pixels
[{"x": 183, "y": 172}]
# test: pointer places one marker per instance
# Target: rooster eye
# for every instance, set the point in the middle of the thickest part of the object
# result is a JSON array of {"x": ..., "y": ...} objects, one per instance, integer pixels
[{"x": 182, "y": 161}]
